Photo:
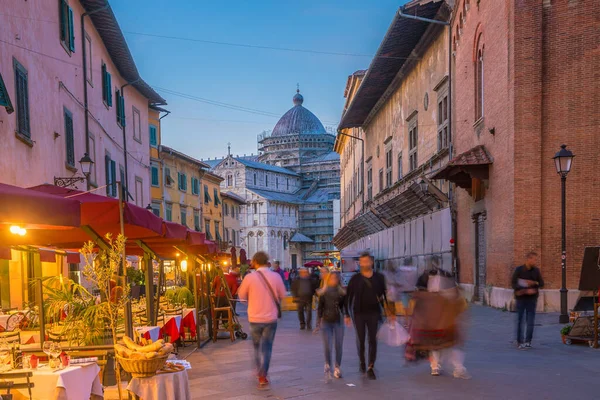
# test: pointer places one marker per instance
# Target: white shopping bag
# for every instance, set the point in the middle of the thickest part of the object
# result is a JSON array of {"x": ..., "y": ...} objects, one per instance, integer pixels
[{"x": 393, "y": 334}]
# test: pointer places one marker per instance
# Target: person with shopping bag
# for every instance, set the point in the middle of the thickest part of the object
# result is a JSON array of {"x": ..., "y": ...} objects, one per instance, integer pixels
[{"x": 329, "y": 321}]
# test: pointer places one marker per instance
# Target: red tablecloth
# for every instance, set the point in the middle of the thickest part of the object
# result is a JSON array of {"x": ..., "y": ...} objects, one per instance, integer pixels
[
  {"x": 171, "y": 328},
  {"x": 188, "y": 321}
]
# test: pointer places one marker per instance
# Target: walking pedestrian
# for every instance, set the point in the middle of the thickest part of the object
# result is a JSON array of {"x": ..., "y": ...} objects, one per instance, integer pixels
[
  {"x": 526, "y": 281},
  {"x": 278, "y": 270},
  {"x": 329, "y": 321},
  {"x": 264, "y": 291},
  {"x": 303, "y": 290},
  {"x": 366, "y": 299},
  {"x": 286, "y": 279}
]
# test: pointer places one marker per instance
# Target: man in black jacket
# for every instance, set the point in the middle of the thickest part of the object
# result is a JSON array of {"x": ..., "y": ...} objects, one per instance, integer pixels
[
  {"x": 526, "y": 281},
  {"x": 365, "y": 297},
  {"x": 303, "y": 290}
]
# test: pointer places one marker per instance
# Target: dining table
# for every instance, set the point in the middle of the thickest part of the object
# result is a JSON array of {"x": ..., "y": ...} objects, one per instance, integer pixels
[
  {"x": 163, "y": 386},
  {"x": 172, "y": 327},
  {"x": 188, "y": 321},
  {"x": 152, "y": 333},
  {"x": 76, "y": 382}
]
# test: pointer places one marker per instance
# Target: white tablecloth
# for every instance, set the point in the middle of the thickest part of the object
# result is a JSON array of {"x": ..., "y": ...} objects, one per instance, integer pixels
[
  {"x": 171, "y": 386},
  {"x": 78, "y": 382},
  {"x": 145, "y": 331}
]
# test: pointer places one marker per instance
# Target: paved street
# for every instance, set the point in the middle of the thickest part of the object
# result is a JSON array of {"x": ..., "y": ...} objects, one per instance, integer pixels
[{"x": 549, "y": 371}]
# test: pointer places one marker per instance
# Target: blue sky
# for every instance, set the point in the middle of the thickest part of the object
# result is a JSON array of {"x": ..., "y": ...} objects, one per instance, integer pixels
[{"x": 260, "y": 79}]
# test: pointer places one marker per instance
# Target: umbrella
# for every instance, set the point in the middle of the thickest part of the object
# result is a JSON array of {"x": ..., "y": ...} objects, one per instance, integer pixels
[
  {"x": 243, "y": 259},
  {"x": 233, "y": 257},
  {"x": 313, "y": 263}
]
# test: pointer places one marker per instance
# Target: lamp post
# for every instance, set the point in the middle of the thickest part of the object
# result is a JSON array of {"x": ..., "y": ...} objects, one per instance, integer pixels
[
  {"x": 86, "y": 167},
  {"x": 563, "y": 160}
]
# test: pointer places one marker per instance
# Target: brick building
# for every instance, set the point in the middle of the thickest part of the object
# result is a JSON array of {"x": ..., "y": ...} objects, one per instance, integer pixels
[{"x": 525, "y": 81}]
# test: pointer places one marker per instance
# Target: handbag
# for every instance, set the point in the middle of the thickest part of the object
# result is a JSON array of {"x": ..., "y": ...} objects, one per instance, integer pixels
[{"x": 272, "y": 293}]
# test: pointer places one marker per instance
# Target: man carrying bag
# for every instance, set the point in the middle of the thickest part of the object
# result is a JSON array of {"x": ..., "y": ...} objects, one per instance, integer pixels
[{"x": 264, "y": 291}]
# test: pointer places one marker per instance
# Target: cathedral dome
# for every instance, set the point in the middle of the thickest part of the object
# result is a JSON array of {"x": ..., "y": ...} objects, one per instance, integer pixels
[{"x": 298, "y": 120}]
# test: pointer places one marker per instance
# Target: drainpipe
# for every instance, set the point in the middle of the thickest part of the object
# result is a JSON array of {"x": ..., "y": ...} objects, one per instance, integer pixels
[
  {"x": 85, "y": 86},
  {"x": 125, "y": 141},
  {"x": 453, "y": 227}
]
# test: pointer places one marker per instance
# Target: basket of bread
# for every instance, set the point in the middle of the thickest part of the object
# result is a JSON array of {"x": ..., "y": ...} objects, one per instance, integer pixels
[{"x": 142, "y": 361}]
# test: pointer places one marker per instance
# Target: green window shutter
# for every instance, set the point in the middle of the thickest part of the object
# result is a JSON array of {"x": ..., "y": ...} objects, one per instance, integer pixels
[
  {"x": 69, "y": 139},
  {"x": 108, "y": 89},
  {"x": 113, "y": 178},
  {"x": 153, "y": 137},
  {"x": 104, "y": 96},
  {"x": 179, "y": 181},
  {"x": 122, "y": 100},
  {"x": 206, "y": 195},
  {"x": 118, "y": 107},
  {"x": 216, "y": 194},
  {"x": 22, "y": 99},
  {"x": 184, "y": 182},
  {"x": 62, "y": 12},
  {"x": 154, "y": 175},
  {"x": 107, "y": 174},
  {"x": 71, "y": 31},
  {"x": 4, "y": 98}
]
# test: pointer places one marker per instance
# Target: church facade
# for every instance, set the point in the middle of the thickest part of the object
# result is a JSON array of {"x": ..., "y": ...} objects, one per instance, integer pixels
[{"x": 290, "y": 188}]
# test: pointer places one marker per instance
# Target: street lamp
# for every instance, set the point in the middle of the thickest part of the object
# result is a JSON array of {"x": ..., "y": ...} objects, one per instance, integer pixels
[
  {"x": 563, "y": 160},
  {"x": 424, "y": 185},
  {"x": 86, "y": 168}
]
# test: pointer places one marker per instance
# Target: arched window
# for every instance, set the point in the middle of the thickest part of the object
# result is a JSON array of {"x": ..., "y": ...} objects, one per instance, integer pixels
[
  {"x": 229, "y": 180},
  {"x": 479, "y": 79}
]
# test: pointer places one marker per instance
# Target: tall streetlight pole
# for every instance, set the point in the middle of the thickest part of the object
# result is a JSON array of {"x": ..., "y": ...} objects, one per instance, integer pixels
[
  {"x": 362, "y": 167},
  {"x": 563, "y": 160}
]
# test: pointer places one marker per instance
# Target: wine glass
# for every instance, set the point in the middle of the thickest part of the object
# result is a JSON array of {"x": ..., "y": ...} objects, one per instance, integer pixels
[
  {"x": 46, "y": 349},
  {"x": 55, "y": 351}
]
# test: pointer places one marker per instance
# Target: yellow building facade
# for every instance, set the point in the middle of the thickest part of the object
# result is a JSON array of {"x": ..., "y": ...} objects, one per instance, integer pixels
[
  {"x": 156, "y": 170},
  {"x": 212, "y": 206},
  {"x": 182, "y": 190}
]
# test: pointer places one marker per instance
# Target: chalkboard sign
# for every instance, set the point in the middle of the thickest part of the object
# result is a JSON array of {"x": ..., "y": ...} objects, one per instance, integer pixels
[{"x": 590, "y": 269}]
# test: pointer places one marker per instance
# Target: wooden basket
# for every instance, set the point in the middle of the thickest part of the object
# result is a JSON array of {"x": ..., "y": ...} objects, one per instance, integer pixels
[{"x": 141, "y": 368}]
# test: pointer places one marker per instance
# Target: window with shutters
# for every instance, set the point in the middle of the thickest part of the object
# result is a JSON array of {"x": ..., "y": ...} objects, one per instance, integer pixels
[
  {"x": 120, "y": 108},
  {"x": 216, "y": 194},
  {"x": 154, "y": 171},
  {"x": 370, "y": 183},
  {"x": 106, "y": 86},
  {"x": 182, "y": 182},
  {"x": 226, "y": 209},
  {"x": 183, "y": 211},
  {"x": 153, "y": 135},
  {"x": 195, "y": 186},
  {"x": 5, "y": 98},
  {"x": 399, "y": 165},
  {"x": 218, "y": 231},
  {"x": 388, "y": 168},
  {"x": 197, "y": 220},
  {"x": 156, "y": 208},
  {"x": 137, "y": 125},
  {"x": 207, "y": 198},
  {"x": 443, "y": 115},
  {"x": 67, "y": 29},
  {"x": 22, "y": 100},
  {"x": 226, "y": 231},
  {"x": 110, "y": 169},
  {"x": 209, "y": 235},
  {"x": 168, "y": 177},
  {"x": 413, "y": 140},
  {"x": 69, "y": 139},
  {"x": 169, "y": 212},
  {"x": 229, "y": 180},
  {"x": 381, "y": 180}
]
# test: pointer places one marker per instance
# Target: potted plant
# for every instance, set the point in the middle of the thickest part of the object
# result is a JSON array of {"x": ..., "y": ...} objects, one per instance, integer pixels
[{"x": 564, "y": 331}]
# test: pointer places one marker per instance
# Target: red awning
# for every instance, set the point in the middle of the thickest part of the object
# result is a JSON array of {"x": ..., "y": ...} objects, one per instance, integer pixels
[
  {"x": 73, "y": 258},
  {"x": 33, "y": 209},
  {"x": 5, "y": 253},
  {"x": 101, "y": 214},
  {"x": 47, "y": 255}
]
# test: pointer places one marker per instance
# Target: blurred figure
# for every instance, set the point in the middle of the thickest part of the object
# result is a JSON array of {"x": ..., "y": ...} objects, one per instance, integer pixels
[
  {"x": 366, "y": 298},
  {"x": 303, "y": 290},
  {"x": 231, "y": 280},
  {"x": 526, "y": 281},
  {"x": 436, "y": 326},
  {"x": 286, "y": 279},
  {"x": 329, "y": 321},
  {"x": 277, "y": 269},
  {"x": 264, "y": 292}
]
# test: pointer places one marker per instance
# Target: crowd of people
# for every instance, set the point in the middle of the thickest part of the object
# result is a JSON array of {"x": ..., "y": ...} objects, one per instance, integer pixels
[{"x": 434, "y": 331}]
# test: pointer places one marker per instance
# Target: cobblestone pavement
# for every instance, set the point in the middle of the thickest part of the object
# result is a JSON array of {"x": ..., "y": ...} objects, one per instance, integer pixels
[{"x": 550, "y": 370}]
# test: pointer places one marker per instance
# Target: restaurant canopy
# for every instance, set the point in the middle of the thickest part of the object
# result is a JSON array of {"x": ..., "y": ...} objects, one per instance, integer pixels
[{"x": 98, "y": 215}]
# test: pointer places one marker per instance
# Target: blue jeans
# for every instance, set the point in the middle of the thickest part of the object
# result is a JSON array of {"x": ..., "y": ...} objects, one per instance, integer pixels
[
  {"x": 525, "y": 307},
  {"x": 263, "y": 336},
  {"x": 329, "y": 331}
]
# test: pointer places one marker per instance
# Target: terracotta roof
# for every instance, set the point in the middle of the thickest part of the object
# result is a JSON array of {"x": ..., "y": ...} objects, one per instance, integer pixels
[
  {"x": 108, "y": 28},
  {"x": 180, "y": 155},
  {"x": 476, "y": 156}
]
